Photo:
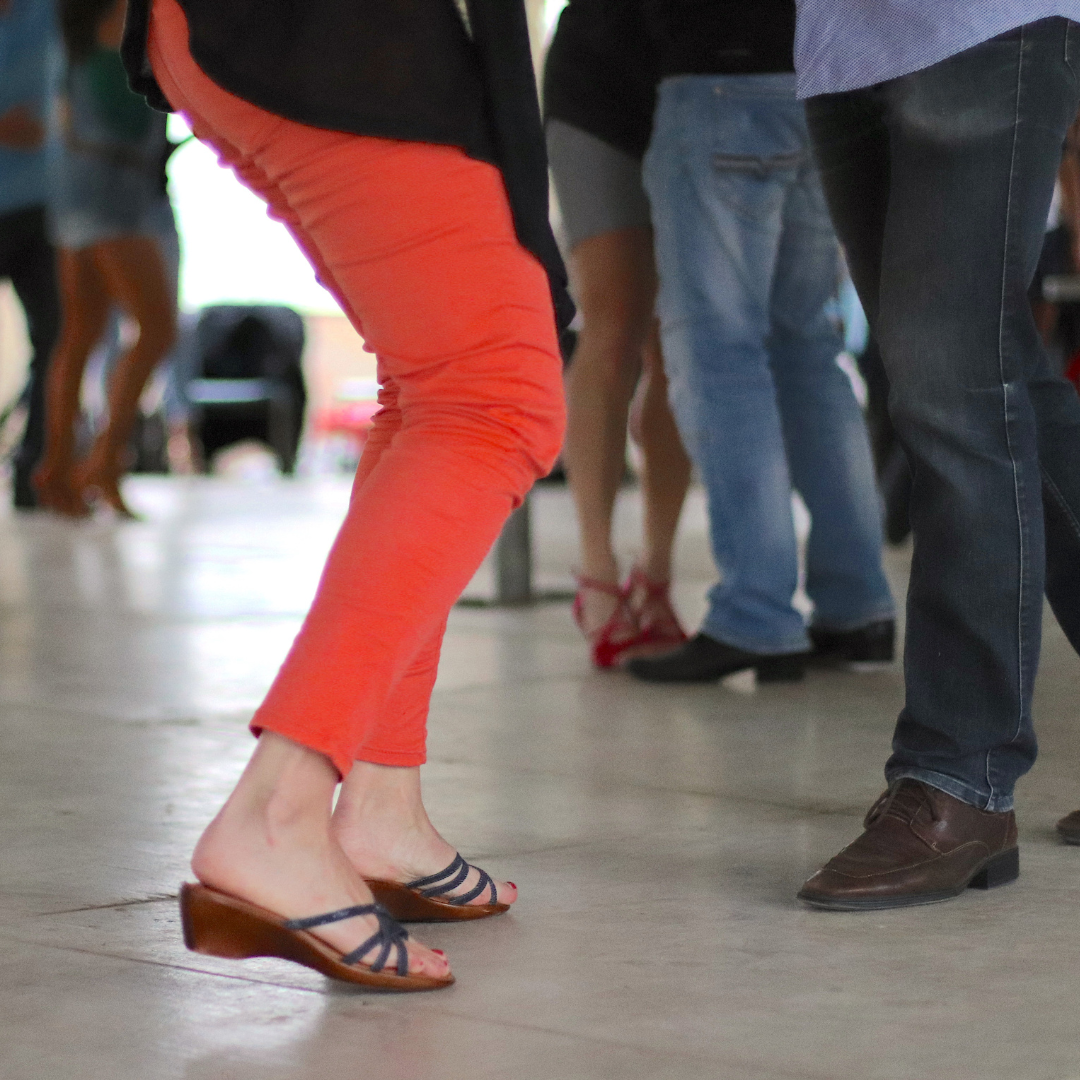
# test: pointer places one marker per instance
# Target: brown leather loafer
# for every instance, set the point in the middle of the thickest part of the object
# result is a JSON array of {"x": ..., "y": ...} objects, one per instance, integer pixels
[
  {"x": 1069, "y": 828},
  {"x": 920, "y": 846}
]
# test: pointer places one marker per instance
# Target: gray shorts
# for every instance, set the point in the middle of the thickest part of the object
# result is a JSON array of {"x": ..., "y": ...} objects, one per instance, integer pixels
[{"x": 598, "y": 187}]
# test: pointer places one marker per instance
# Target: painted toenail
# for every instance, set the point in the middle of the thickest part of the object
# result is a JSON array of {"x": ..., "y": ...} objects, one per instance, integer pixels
[
  {"x": 511, "y": 884},
  {"x": 439, "y": 952}
]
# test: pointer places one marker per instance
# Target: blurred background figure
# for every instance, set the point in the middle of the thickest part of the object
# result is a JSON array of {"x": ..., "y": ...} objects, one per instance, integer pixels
[
  {"x": 749, "y": 268},
  {"x": 163, "y": 414},
  {"x": 106, "y": 189},
  {"x": 599, "y": 93},
  {"x": 27, "y": 62}
]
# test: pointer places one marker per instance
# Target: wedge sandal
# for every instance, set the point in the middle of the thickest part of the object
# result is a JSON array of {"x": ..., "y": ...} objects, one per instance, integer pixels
[
  {"x": 217, "y": 924},
  {"x": 426, "y": 899}
]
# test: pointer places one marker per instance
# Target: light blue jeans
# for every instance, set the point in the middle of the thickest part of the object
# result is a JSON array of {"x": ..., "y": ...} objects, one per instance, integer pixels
[{"x": 748, "y": 264}]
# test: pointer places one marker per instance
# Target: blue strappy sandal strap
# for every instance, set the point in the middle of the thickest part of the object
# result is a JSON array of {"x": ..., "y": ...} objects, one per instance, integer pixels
[
  {"x": 390, "y": 935},
  {"x": 457, "y": 872}
]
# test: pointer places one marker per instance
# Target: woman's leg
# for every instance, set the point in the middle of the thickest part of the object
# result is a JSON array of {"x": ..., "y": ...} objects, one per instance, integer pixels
[
  {"x": 665, "y": 468},
  {"x": 135, "y": 275},
  {"x": 85, "y": 301},
  {"x": 615, "y": 286},
  {"x": 477, "y": 381},
  {"x": 379, "y": 819}
]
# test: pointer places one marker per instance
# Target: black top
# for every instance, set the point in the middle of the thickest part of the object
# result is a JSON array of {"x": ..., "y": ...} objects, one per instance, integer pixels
[
  {"x": 399, "y": 69},
  {"x": 601, "y": 73},
  {"x": 723, "y": 37}
]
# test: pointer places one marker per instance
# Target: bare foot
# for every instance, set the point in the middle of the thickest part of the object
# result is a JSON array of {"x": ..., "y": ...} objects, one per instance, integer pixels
[
  {"x": 56, "y": 490},
  {"x": 101, "y": 484},
  {"x": 384, "y": 830},
  {"x": 273, "y": 849},
  {"x": 650, "y": 601},
  {"x": 597, "y": 608}
]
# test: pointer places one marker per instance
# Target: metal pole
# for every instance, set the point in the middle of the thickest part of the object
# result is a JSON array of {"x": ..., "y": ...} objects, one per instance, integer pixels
[{"x": 513, "y": 559}]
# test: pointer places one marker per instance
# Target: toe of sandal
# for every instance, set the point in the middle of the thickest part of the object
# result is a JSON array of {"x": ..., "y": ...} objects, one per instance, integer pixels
[{"x": 428, "y": 899}]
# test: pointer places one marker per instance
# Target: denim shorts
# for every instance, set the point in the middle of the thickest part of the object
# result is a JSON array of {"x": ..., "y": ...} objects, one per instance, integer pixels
[{"x": 95, "y": 199}]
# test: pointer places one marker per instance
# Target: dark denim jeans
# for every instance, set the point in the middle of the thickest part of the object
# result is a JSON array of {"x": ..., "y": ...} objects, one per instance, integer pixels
[{"x": 939, "y": 185}]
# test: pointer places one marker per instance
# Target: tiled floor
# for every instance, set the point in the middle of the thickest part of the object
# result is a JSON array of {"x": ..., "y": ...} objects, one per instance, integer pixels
[{"x": 658, "y": 836}]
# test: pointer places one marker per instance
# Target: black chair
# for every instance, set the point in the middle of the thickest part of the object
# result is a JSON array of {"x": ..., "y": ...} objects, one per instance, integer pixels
[{"x": 247, "y": 381}]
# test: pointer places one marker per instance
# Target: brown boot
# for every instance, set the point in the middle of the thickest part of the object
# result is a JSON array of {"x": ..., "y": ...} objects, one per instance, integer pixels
[
  {"x": 920, "y": 846},
  {"x": 1069, "y": 828}
]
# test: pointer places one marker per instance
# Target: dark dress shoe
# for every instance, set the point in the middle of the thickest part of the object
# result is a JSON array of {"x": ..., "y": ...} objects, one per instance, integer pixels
[
  {"x": 872, "y": 644},
  {"x": 704, "y": 659},
  {"x": 920, "y": 846},
  {"x": 1069, "y": 828}
]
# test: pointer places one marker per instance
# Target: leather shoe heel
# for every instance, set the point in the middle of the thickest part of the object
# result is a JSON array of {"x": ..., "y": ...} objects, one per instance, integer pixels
[
  {"x": 784, "y": 668},
  {"x": 1000, "y": 870}
]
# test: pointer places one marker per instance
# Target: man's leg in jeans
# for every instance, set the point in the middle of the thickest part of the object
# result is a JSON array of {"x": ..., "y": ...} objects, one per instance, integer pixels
[
  {"x": 33, "y": 276},
  {"x": 827, "y": 442},
  {"x": 722, "y": 157},
  {"x": 968, "y": 149}
]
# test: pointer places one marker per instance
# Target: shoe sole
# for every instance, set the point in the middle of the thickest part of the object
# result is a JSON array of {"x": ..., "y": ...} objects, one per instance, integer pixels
[
  {"x": 407, "y": 905},
  {"x": 217, "y": 924},
  {"x": 999, "y": 870}
]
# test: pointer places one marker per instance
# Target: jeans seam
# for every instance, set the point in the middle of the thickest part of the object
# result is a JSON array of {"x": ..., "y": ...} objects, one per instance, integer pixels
[{"x": 1005, "y": 413}]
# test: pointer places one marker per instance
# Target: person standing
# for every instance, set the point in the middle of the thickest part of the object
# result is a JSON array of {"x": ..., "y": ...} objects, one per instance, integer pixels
[
  {"x": 402, "y": 148},
  {"x": 748, "y": 264},
  {"x": 939, "y": 128},
  {"x": 28, "y": 59},
  {"x": 599, "y": 93},
  {"x": 105, "y": 181}
]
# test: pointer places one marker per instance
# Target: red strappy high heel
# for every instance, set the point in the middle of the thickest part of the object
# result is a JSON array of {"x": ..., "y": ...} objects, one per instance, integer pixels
[
  {"x": 607, "y": 642},
  {"x": 650, "y": 605}
]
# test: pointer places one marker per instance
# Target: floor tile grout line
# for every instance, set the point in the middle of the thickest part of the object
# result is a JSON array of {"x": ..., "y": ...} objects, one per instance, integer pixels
[{"x": 157, "y": 898}]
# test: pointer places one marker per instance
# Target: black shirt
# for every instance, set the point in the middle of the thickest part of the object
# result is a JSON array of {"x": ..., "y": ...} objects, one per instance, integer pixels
[
  {"x": 399, "y": 69},
  {"x": 601, "y": 73},
  {"x": 723, "y": 37}
]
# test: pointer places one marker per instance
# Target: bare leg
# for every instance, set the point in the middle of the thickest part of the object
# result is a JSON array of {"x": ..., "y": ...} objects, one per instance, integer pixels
[
  {"x": 615, "y": 285},
  {"x": 272, "y": 845},
  {"x": 85, "y": 309},
  {"x": 135, "y": 275},
  {"x": 665, "y": 473}
]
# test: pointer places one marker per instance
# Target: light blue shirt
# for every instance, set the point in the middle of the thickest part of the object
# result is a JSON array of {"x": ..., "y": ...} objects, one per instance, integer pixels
[
  {"x": 847, "y": 44},
  {"x": 29, "y": 63}
]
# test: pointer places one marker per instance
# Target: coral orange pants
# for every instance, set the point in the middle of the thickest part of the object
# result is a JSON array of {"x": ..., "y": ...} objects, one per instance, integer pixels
[{"x": 417, "y": 244}]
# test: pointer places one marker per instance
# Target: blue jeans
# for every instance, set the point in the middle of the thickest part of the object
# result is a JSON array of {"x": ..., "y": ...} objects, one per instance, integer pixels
[
  {"x": 748, "y": 263},
  {"x": 939, "y": 183}
]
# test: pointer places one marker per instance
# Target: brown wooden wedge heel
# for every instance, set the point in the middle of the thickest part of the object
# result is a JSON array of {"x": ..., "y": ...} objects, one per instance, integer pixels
[
  {"x": 218, "y": 924},
  {"x": 425, "y": 899}
]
